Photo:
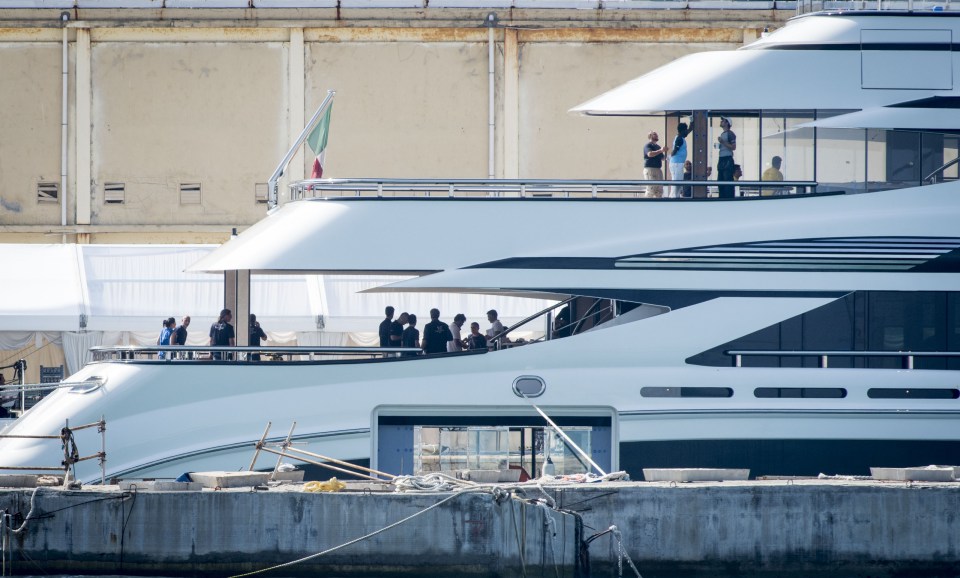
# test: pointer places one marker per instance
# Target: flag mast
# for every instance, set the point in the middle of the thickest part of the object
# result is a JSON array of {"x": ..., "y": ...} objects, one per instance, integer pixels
[{"x": 272, "y": 191}]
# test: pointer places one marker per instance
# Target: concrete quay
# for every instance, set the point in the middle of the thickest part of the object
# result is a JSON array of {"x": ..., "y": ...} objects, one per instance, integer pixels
[
  {"x": 105, "y": 530},
  {"x": 784, "y": 528}
]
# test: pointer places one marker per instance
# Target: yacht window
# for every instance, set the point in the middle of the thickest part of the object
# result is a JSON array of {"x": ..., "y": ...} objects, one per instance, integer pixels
[
  {"x": 686, "y": 392},
  {"x": 801, "y": 392},
  {"x": 917, "y": 393},
  {"x": 529, "y": 386}
]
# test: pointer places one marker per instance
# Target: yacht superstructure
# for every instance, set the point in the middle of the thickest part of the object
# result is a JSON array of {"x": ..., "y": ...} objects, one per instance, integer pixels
[{"x": 812, "y": 331}]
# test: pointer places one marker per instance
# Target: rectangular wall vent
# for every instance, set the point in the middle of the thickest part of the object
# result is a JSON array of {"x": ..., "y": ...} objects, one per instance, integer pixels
[
  {"x": 48, "y": 192},
  {"x": 260, "y": 191},
  {"x": 189, "y": 193},
  {"x": 114, "y": 193}
]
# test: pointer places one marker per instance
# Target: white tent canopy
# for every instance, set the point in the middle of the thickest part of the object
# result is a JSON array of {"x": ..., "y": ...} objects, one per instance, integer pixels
[
  {"x": 77, "y": 296},
  {"x": 134, "y": 287}
]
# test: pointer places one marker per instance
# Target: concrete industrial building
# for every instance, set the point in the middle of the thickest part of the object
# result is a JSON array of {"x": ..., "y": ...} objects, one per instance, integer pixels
[{"x": 177, "y": 115}]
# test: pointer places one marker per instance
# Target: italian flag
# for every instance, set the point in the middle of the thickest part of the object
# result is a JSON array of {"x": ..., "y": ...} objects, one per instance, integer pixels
[{"x": 317, "y": 141}]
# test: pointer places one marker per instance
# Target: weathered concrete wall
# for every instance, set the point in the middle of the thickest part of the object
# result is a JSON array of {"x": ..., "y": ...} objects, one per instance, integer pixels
[
  {"x": 775, "y": 528},
  {"x": 216, "y": 96},
  {"x": 222, "y": 533}
]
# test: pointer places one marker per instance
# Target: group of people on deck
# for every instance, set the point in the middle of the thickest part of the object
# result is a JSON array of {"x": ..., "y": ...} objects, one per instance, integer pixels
[
  {"x": 222, "y": 333},
  {"x": 438, "y": 337},
  {"x": 681, "y": 168}
]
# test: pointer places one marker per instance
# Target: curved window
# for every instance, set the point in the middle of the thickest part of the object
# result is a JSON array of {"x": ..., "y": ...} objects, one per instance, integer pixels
[
  {"x": 686, "y": 392},
  {"x": 529, "y": 386},
  {"x": 913, "y": 393},
  {"x": 801, "y": 392}
]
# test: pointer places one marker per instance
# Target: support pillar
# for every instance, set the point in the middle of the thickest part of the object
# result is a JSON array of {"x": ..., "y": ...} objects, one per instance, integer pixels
[
  {"x": 700, "y": 151},
  {"x": 296, "y": 74},
  {"x": 511, "y": 104},
  {"x": 236, "y": 298},
  {"x": 83, "y": 184}
]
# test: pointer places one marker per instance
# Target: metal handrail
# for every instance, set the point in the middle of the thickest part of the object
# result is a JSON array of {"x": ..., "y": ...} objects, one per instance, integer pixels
[
  {"x": 272, "y": 192},
  {"x": 529, "y": 318},
  {"x": 497, "y": 188},
  {"x": 824, "y": 355},
  {"x": 102, "y": 352},
  {"x": 940, "y": 170}
]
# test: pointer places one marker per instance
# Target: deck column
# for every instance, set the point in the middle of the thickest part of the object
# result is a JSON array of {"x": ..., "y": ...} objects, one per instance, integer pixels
[
  {"x": 700, "y": 151},
  {"x": 236, "y": 298}
]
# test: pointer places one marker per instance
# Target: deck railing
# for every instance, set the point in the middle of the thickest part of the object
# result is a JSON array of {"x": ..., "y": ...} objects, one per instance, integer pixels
[
  {"x": 526, "y": 188},
  {"x": 823, "y": 356},
  {"x": 180, "y": 354}
]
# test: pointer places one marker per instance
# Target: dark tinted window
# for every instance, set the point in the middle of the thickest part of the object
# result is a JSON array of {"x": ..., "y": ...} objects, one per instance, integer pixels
[
  {"x": 893, "y": 393},
  {"x": 927, "y": 321},
  {"x": 797, "y": 392},
  {"x": 686, "y": 392}
]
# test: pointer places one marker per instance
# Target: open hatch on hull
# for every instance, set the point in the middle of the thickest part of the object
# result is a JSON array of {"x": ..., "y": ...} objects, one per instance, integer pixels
[{"x": 425, "y": 439}]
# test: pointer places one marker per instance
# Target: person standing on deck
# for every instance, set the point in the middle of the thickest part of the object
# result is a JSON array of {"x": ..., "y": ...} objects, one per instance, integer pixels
[
  {"x": 411, "y": 335},
  {"x": 385, "y": 327},
  {"x": 436, "y": 334},
  {"x": 456, "y": 344},
  {"x": 256, "y": 334},
  {"x": 179, "y": 336},
  {"x": 727, "y": 143},
  {"x": 396, "y": 329},
  {"x": 677, "y": 159},
  {"x": 222, "y": 334},
  {"x": 653, "y": 163}
]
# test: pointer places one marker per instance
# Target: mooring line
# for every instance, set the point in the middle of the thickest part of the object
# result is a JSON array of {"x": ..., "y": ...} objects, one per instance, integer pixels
[{"x": 362, "y": 538}]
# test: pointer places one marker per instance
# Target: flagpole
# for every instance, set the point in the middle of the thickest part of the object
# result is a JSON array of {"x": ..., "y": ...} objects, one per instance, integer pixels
[{"x": 272, "y": 192}]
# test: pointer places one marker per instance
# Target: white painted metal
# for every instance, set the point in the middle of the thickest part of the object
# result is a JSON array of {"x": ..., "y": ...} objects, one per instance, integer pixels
[
  {"x": 168, "y": 418},
  {"x": 767, "y": 76}
]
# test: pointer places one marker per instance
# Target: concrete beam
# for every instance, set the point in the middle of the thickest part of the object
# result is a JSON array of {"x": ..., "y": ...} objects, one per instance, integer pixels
[
  {"x": 105, "y": 531},
  {"x": 83, "y": 188},
  {"x": 511, "y": 104}
]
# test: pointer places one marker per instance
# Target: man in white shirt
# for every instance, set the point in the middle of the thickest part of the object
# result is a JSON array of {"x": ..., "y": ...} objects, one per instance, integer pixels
[
  {"x": 496, "y": 328},
  {"x": 456, "y": 344}
]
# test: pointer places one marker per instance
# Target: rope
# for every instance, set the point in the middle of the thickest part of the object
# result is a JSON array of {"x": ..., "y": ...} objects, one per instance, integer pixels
[
  {"x": 622, "y": 553},
  {"x": 516, "y": 532},
  {"x": 436, "y": 482},
  {"x": 551, "y": 527},
  {"x": 364, "y": 537},
  {"x": 33, "y": 497}
]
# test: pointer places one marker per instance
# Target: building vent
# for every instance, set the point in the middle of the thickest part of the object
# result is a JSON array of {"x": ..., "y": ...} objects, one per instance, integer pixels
[
  {"x": 260, "y": 191},
  {"x": 189, "y": 193},
  {"x": 48, "y": 192},
  {"x": 114, "y": 193}
]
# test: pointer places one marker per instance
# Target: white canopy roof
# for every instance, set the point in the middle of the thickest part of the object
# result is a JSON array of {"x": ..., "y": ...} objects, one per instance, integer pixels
[
  {"x": 890, "y": 117},
  {"x": 134, "y": 287}
]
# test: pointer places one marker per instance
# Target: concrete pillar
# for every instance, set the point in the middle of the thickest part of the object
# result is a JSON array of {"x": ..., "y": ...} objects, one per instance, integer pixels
[
  {"x": 83, "y": 186},
  {"x": 699, "y": 151},
  {"x": 511, "y": 105},
  {"x": 296, "y": 74},
  {"x": 236, "y": 298},
  {"x": 242, "y": 313}
]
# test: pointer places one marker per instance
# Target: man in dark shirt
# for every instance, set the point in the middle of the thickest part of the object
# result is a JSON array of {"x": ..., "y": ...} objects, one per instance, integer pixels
[
  {"x": 222, "y": 334},
  {"x": 475, "y": 340},
  {"x": 396, "y": 330},
  {"x": 180, "y": 336},
  {"x": 411, "y": 335},
  {"x": 436, "y": 334},
  {"x": 653, "y": 164},
  {"x": 256, "y": 334},
  {"x": 385, "y": 327}
]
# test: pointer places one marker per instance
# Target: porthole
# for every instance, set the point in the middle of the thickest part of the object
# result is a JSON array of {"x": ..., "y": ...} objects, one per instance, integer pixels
[
  {"x": 801, "y": 392},
  {"x": 912, "y": 393},
  {"x": 529, "y": 386},
  {"x": 686, "y": 392}
]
